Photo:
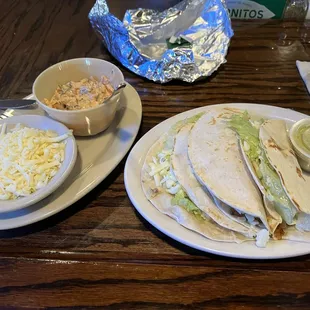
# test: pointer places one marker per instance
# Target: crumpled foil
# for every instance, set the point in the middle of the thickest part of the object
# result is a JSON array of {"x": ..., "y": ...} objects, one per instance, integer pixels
[{"x": 140, "y": 41}]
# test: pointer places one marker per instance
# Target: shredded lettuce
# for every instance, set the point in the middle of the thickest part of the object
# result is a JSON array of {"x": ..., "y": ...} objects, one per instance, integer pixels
[
  {"x": 160, "y": 170},
  {"x": 249, "y": 136},
  {"x": 182, "y": 200},
  {"x": 247, "y": 133},
  {"x": 169, "y": 145}
]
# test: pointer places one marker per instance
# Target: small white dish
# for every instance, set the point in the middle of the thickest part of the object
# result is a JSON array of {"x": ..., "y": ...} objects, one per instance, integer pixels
[
  {"x": 44, "y": 123},
  {"x": 302, "y": 156},
  {"x": 248, "y": 250},
  {"x": 97, "y": 157},
  {"x": 85, "y": 122}
]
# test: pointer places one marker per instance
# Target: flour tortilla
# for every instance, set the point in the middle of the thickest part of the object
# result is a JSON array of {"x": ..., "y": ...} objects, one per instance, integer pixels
[
  {"x": 218, "y": 164},
  {"x": 162, "y": 202},
  {"x": 293, "y": 234},
  {"x": 274, "y": 138},
  {"x": 199, "y": 195},
  {"x": 234, "y": 215},
  {"x": 274, "y": 219}
]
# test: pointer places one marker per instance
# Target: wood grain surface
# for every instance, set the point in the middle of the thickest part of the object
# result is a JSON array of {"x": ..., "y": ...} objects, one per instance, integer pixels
[{"x": 99, "y": 253}]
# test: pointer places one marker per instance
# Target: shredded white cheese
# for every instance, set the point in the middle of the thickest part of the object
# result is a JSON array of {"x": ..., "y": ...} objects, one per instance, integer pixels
[
  {"x": 262, "y": 238},
  {"x": 29, "y": 159}
]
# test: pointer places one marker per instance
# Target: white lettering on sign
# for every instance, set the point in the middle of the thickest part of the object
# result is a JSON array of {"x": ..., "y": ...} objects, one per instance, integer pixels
[{"x": 247, "y": 9}]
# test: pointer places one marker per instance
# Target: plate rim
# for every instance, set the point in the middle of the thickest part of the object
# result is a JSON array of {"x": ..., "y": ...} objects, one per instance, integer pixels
[
  {"x": 168, "y": 122},
  {"x": 95, "y": 183}
]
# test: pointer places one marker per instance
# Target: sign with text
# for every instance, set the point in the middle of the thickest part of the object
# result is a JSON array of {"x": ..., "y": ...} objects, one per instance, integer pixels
[{"x": 259, "y": 9}]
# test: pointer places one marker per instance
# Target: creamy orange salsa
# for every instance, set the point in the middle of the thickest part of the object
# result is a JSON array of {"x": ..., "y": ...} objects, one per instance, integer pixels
[{"x": 84, "y": 94}]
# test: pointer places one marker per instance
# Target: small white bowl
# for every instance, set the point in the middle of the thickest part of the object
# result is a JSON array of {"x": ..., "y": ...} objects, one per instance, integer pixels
[
  {"x": 85, "y": 122},
  {"x": 302, "y": 155},
  {"x": 44, "y": 123}
]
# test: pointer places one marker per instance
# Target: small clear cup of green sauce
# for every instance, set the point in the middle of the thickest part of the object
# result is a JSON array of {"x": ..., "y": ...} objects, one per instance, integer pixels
[{"x": 300, "y": 138}]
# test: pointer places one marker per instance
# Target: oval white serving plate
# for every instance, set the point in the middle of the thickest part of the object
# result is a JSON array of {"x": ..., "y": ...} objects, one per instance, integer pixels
[
  {"x": 97, "y": 157},
  {"x": 248, "y": 250}
]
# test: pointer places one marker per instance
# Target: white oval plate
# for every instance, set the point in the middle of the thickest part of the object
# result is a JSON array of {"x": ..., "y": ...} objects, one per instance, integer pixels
[
  {"x": 248, "y": 250},
  {"x": 97, "y": 157}
]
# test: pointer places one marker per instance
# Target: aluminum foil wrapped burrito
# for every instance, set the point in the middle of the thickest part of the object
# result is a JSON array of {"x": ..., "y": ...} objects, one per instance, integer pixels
[{"x": 186, "y": 42}]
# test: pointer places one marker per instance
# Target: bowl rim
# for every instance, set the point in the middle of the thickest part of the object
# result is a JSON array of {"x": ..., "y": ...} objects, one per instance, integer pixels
[
  {"x": 300, "y": 152},
  {"x": 105, "y": 103},
  {"x": 24, "y": 202}
]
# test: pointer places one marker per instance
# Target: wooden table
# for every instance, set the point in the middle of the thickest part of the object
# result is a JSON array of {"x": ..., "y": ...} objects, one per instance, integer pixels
[{"x": 100, "y": 252}]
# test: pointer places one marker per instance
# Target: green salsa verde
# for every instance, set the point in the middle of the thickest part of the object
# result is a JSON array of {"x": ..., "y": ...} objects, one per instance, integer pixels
[{"x": 302, "y": 137}]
